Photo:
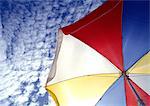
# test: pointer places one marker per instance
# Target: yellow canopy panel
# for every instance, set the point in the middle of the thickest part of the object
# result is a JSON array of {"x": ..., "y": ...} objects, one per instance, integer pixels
[
  {"x": 142, "y": 66},
  {"x": 81, "y": 91},
  {"x": 140, "y": 73}
]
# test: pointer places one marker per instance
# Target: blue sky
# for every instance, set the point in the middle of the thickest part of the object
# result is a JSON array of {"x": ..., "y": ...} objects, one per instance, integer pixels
[{"x": 27, "y": 45}]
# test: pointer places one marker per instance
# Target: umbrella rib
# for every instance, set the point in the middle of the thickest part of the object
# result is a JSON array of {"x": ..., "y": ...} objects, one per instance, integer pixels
[
  {"x": 135, "y": 92},
  {"x": 107, "y": 90},
  {"x": 138, "y": 75},
  {"x": 136, "y": 62},
  {"x": 95, "y": 19}
]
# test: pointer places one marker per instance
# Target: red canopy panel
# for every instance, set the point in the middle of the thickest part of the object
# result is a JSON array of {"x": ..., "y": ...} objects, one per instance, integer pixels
[
  {"x": 131, "y": 99},
  {"x": 144, "y": 96},
  {"x": 102, "y": 31}
]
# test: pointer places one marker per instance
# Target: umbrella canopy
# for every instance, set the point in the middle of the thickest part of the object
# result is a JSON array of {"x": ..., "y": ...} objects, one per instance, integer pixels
[{"x": 104, "y": 58}]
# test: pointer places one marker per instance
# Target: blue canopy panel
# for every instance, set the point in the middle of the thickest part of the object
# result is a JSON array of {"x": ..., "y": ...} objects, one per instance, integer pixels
[
  {"x": 115, "y": 95},
  {"x": 135, "y": 31}
]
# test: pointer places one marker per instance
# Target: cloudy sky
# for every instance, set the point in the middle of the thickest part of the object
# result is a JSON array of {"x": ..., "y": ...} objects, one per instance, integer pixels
[{"x": 27, "y": 45}]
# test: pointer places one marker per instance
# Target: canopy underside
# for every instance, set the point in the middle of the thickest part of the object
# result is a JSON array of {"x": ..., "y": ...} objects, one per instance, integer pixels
[{"x": 104, "y": 56}]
